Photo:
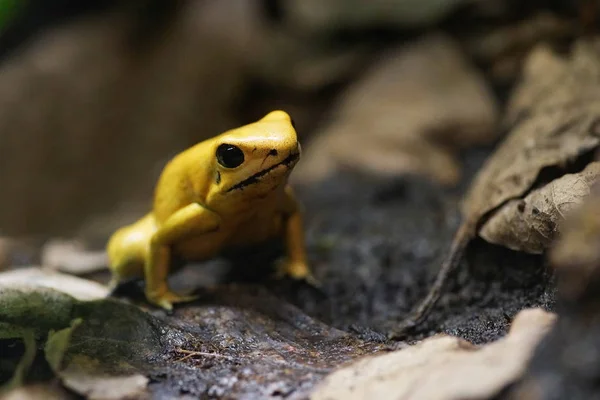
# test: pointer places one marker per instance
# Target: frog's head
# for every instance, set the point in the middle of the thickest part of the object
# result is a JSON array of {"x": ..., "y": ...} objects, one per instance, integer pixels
[{"x": 256, "y": 158}]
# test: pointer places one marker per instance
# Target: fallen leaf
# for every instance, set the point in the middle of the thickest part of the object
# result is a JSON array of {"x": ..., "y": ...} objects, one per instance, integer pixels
[
  {"x": 35, "y": 277},
  {"x": 576, "y": 255},
  {"x": 408, "y": 115},
  {"x": 86, "y": 377},
  {"x": 554, "y": 117},
  {"x": 89, "y": 359},
  {"x": 43, "y": 305},
  {"x": 72, "y": 257},
  {"x": 564, "y": 365},
  {"x": 441, "y": 367},
  {"x": 531, "y": 224},
  {"x": 36, "y": 308},
  {"x": 29, "y": 313},
  {"x": 38, "y": 391},
  {"x": 58, "y": 343}
]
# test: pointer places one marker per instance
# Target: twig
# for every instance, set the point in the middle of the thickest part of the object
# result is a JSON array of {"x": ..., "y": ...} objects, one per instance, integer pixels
[{"x": 191, "y": 353}]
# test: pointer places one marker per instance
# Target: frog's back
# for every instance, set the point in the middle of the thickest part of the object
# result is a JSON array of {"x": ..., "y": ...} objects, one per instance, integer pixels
[{"x": 177, "y": 187}]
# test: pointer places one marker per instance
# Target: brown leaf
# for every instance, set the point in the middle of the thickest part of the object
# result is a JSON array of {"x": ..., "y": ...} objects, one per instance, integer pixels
[
  {"x": 33, "y": 278},
  {"x": 576, "y": 256},
  {"x": 531, "y": 224},
  {"x": 38, "y": 391},
  {"x": 86, "y": 377},
  {"x": 556, "y": 121},
  {"x": 437, "y": 368},
  {"x": 71, "y": 256},
  {"x": 554, "y": 117},
  {"x": 408, "y": 115}
]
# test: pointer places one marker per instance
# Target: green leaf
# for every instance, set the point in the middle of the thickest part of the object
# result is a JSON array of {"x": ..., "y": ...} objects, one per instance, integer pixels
[{"x": 58, "y": 343}]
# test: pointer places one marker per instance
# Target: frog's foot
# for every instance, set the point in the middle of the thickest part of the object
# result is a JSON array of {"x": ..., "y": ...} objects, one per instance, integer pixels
[
  {"x": 297, "y": 270},
  {"x": 167, "y": 298}
]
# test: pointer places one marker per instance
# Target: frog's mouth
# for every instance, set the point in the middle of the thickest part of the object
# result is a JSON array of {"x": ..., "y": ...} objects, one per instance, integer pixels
[{"x": 292, "y": 158}]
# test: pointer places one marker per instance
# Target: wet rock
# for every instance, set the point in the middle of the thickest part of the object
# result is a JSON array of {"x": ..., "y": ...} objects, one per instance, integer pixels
[
  {"x": 442, "y": 367},
  {"x": 408, "y": 115}
]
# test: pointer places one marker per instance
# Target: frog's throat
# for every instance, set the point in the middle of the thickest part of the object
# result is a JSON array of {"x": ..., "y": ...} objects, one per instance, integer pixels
[{"x": 293, "y": 157}]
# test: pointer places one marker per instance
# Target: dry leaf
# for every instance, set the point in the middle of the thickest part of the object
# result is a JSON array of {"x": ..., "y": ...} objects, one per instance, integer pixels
[
  {"x": 555, "y": 120},
  {"x": 564, "y": 365},
  {"x": 532, "y": 223},
  {"x": 32, "y": 278},
  {"x": 436, "y": 368},
  {"x": 85, "y": 376},
  {"x": 407, "y": 116},
  {"x": 71, "y": 256},
  {"x": 38, "y": 391},
  {"x": 576, "y": 256}
]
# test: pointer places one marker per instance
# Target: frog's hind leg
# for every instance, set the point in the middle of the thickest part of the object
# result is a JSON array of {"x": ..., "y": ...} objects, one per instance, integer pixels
[{"x": 127, "y": 252}]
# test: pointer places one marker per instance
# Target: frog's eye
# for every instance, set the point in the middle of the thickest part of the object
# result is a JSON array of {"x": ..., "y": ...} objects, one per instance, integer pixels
[{"x": 230, "y": 156}]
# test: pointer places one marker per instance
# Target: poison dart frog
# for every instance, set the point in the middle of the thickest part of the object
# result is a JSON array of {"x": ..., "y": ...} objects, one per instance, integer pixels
[{"x": 226, "y": 192}]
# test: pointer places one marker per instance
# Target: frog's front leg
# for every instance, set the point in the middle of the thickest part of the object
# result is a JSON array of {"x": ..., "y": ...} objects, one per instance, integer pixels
[
  {"x": 296, "y": 265},
  {"x": 191, "y": 220}
]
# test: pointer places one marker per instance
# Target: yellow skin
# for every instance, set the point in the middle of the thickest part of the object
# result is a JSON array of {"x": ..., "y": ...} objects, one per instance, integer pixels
[{"x": 210, "y": 198}]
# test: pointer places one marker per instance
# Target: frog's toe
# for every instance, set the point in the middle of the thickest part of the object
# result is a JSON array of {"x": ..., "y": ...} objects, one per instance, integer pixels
[
  {"x": 166, "y": 300},
  {"x": 165, "y": 304},
  {"x": 298, "y": 271},
  {"x": 312, "y": 281}
]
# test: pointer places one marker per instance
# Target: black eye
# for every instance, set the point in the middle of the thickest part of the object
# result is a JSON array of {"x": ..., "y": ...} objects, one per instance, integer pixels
[
  {"x": 293, "y": 123},
  {"x": 230, "y": 156}
]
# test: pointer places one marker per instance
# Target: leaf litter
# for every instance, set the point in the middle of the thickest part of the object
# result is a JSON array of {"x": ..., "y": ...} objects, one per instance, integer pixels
[{"x": 553, "y": 120}]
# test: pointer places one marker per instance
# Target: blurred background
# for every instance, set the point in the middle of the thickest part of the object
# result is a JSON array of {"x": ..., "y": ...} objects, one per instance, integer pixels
[{"x": 96, "y": 96}]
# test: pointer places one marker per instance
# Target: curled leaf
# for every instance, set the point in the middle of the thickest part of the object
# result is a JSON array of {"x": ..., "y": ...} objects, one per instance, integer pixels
[
  {"x": 576, "y": 255},
  {"x": 554, "y": 120},
  {"x": 435, "y": 369},
  {"x": 531, "y": 224}
]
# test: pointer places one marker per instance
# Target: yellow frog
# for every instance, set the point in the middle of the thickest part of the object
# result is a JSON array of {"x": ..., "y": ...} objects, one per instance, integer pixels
[{"x": 229, "y": 191}]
